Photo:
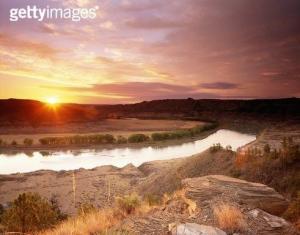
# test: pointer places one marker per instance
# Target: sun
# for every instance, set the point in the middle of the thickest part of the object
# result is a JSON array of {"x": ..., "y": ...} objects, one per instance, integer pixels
[{"x": 52, "y": 100}]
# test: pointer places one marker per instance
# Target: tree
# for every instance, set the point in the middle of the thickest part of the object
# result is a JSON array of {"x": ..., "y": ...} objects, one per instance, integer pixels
[
  {"x": 29, "y": 213},
  {"x": 28, "y": 142}
]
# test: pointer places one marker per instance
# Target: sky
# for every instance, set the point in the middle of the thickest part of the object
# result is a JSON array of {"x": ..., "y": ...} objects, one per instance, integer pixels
[{"x": 136, "y": 50}]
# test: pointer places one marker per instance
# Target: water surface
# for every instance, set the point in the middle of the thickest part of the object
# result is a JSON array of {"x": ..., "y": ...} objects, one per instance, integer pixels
[{"x": 88, "y": 159}]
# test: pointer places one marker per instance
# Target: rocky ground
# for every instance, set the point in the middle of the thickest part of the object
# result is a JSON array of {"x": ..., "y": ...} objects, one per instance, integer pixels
[
  {"x": 101, "y": 185},
  {"x": 273, "y": 135},
  {"x": 202, "y": 181},
  {"x": 258, "y": 203}
]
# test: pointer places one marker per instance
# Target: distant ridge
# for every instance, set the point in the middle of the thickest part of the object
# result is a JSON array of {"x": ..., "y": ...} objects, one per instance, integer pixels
[{"x": 32, "y": 112}]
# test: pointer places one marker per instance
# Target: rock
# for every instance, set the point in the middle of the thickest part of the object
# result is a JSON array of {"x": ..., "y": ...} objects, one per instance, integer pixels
[
  {"x": 272, "y": 221},
  {"x": 203, "y": 190},
  {"x": 195, "y": 229}
]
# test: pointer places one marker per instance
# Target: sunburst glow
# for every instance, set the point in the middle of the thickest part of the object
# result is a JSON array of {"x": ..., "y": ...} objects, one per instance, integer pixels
[{"x": 52, "y": 100}]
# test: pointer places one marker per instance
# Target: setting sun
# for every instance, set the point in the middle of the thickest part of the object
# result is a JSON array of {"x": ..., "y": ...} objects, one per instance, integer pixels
[{"x": 52, "y": 100}]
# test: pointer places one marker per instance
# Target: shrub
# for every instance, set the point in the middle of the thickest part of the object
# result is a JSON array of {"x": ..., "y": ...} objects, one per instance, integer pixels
[
  {"x": 55, "y": 207},
  {"x": 109, "y": 139},
  {"x": 86, "y": 208},
  {"x": 121, "y": 140},
  {"x": 228, "y": 148},
  {"x": 78, "y": 139},
  {"x": 293, "y": 211},
  {"x": 128, "y": 204},
  {"x": 28, "y": 213},
  {"x": 152, "y": 200},
  {"x": 138, "y": 138},
  {"x": 215, "y": 148},
  {"x": 229, "y": 218},
  {"x": 159, "y": 136},
  {"x": 28, "y": 142},
  {"x": 14, "y": 143}
]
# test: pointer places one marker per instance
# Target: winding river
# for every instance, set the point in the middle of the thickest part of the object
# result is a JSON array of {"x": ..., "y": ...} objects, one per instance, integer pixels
[{"x": 119, "y": 157}]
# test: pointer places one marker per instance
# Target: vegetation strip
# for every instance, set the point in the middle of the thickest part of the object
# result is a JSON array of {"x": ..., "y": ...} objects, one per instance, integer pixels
[{"x": 100, "y": 139}]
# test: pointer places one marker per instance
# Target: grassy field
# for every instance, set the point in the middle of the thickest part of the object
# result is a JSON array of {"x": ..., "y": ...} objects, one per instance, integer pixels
[{"x": 14, "y": 137}]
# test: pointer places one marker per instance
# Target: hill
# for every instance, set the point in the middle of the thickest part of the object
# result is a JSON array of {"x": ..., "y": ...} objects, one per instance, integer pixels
[{"x": 14, "y": 111}]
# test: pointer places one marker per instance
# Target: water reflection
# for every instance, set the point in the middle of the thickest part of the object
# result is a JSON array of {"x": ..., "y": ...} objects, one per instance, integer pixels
[{"x": 118, "y": 157}]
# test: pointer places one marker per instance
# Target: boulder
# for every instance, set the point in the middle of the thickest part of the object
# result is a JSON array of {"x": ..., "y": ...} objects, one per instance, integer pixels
[
  {"x": 195, "y": 229},
  {"x": 204, "y": 190},
  {"x": 272, "y": 220}
]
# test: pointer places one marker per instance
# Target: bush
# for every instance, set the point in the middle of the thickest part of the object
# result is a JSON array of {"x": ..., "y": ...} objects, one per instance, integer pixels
[
  {"x": 121, "y": 140},
  {"x": 55, "y": 207},
  {"x": 138, "y": 138},
  {"x": 229, "y": 218},
  {"x": 29, "y": 213},
  {"x": 78, "y": 140},
  {"x": 28, "y": 142},
  {"x": 228, "y": 148},
  {"x": 293, "y": 211},
  {"x": 14, "y": 143},
  {"x": 128, "y": 204},
  {"x": 215, "y": 148},
  {"x": 159, "y": 136},
  {"x": 152, "y": 200}
]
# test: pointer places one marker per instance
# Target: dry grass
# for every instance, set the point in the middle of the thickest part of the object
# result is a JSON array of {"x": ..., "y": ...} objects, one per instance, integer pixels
[
  {"x": 241, "y": 160},
  {"x": 101, "y": 221},
  {"x": 90, "y": 223},
  {"x": 180, "y": 195},
  {"x": 229, "y": 218}
]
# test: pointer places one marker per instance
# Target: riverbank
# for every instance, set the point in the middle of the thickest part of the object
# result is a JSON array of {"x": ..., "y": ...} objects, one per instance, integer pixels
[{"x": 108, "y": 141}]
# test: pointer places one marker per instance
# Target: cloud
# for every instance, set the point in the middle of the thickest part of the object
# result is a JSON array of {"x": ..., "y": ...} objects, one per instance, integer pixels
[
  {"x": 49, "y": 28},
  {"x": 140, "y": 6},
  {"x": 9, "y": 42},
  {"x": 152, "y": 23},
  {"x": 139, "y": 91},
  {"x": 219, "y": 85},
  {"x": 77, "y": 3},
  {"x": 108, "y": 25},
  {"x": 232, "y": 48}
]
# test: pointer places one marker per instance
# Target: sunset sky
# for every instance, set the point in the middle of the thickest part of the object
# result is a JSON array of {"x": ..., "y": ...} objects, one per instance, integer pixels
[{"x": 139, "y": 50}]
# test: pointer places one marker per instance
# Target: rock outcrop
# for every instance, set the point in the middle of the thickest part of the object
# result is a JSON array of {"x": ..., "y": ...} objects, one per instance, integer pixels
[
  {"x": 204, "y": 190},
  {"x": 195, "y": 229},
  {"x": 191, "y": 210}
]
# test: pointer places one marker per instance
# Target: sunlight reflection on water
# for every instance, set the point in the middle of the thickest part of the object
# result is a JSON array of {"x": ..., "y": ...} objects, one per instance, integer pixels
[{"x": 118, "y": 157}]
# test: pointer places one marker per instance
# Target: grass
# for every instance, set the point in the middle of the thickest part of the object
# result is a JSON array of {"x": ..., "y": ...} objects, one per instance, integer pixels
[
  {"x": 128, "y": 204},
  {"x": 91, "y": 223},
  {"x": 277, "y": 168},
  {"x": 102, "y": 222},
  {"x": 179, "y": 131},
  {"x": 229, "y": 218},
  {"x": 180, "y": 195}
]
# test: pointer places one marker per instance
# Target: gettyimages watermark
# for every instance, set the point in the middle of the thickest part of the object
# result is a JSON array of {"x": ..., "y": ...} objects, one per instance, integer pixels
[{"x": 48, "y": 13}]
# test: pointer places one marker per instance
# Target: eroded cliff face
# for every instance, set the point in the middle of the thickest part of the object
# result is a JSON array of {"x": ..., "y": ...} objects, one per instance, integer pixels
[{"x": 192, "y": 210}]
